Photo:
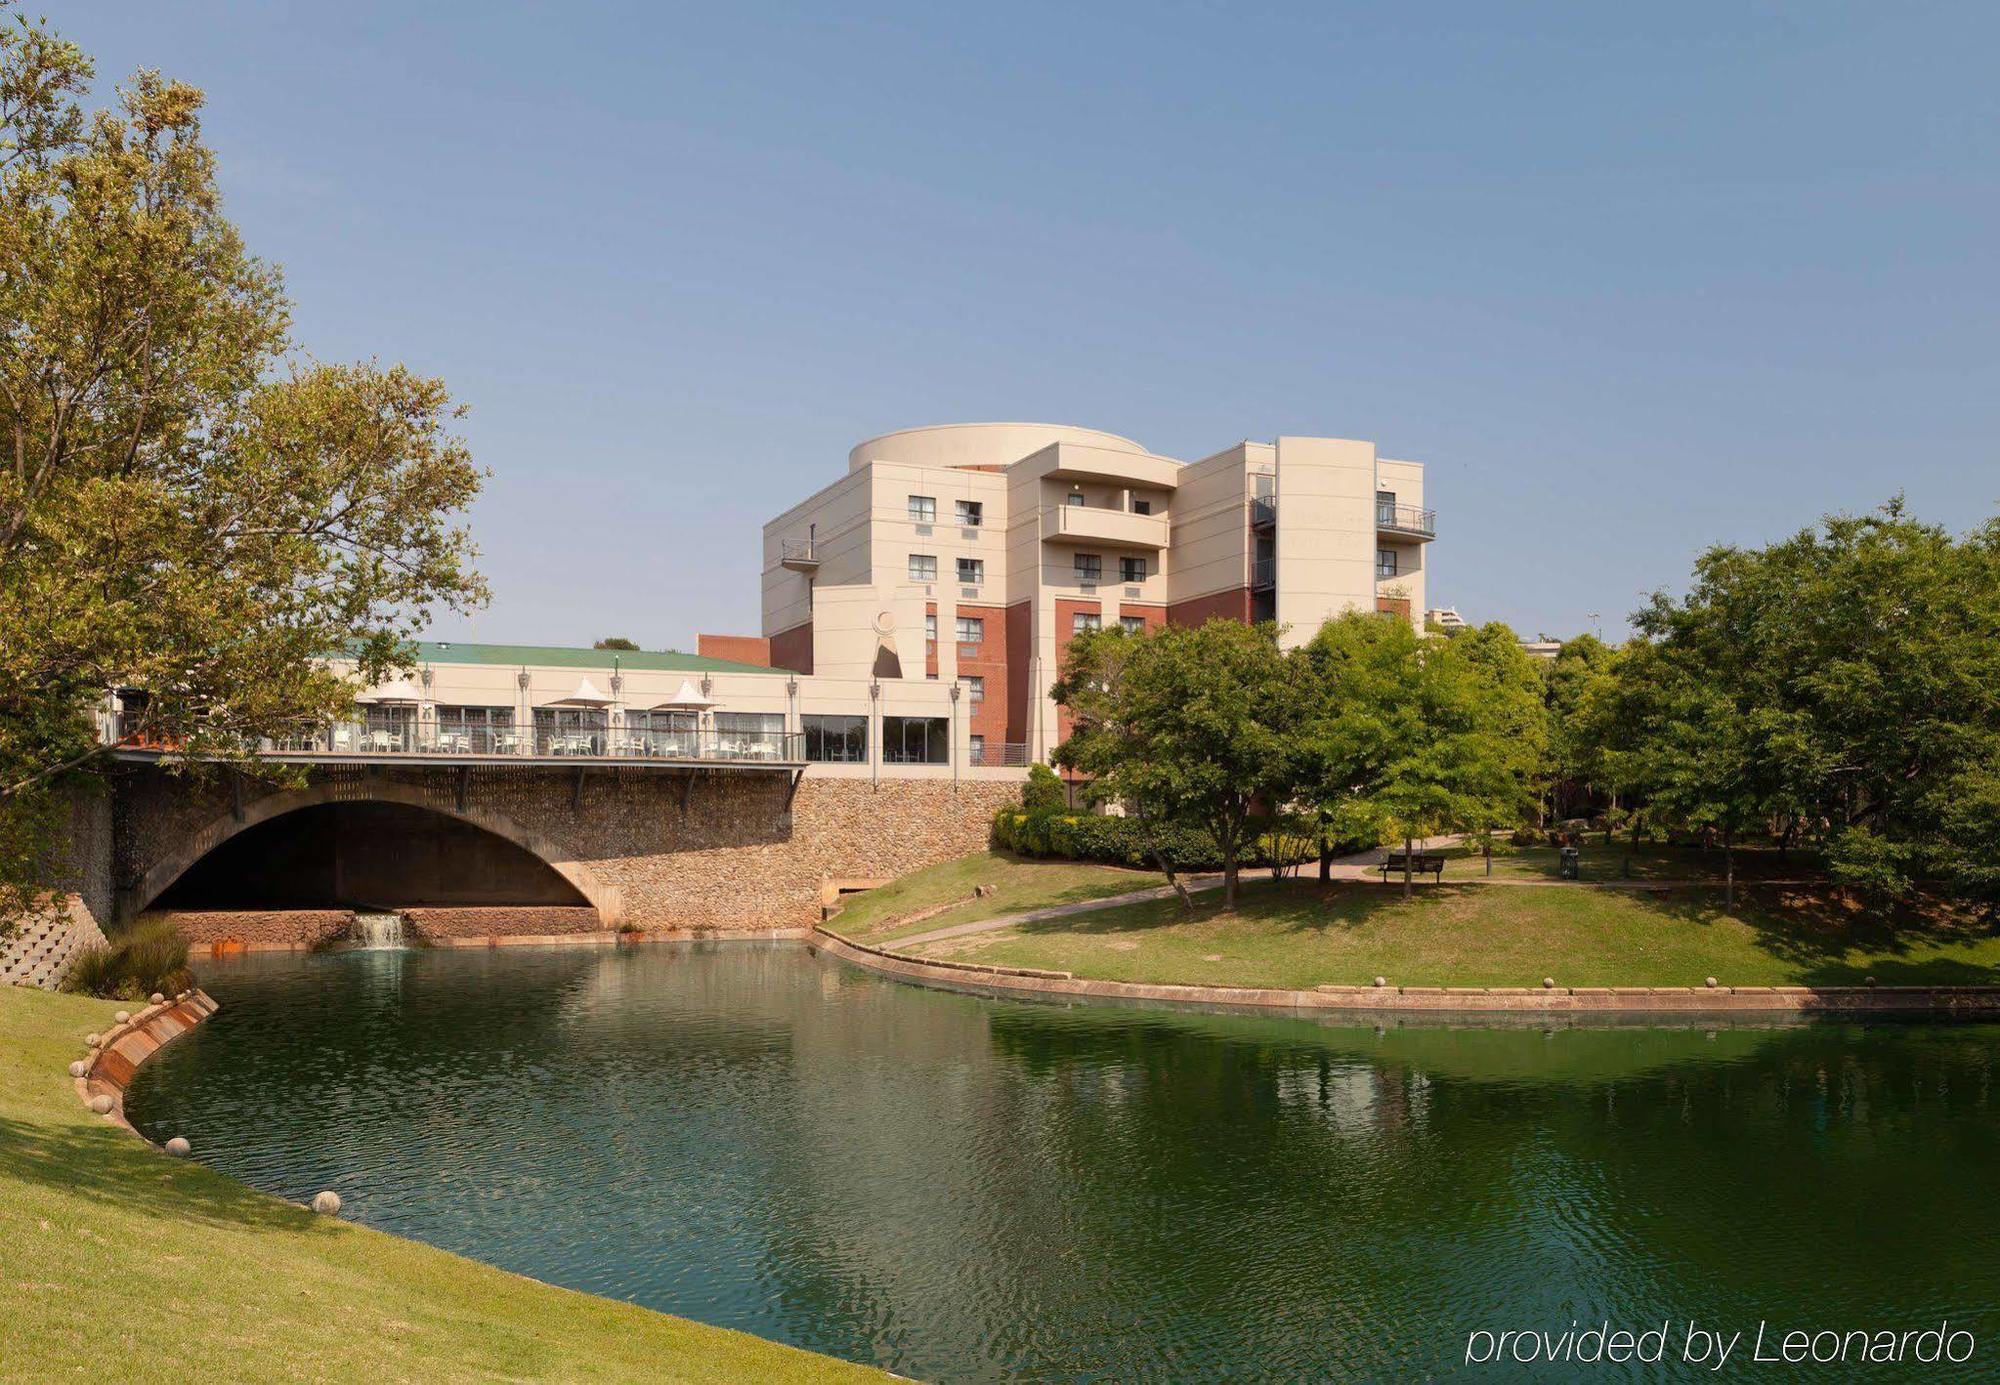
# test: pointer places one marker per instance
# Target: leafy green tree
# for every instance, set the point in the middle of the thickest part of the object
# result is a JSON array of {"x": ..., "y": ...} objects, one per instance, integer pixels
[
  {"x": 1044, "y": 791},
  {"x": 617, "y": 642},
  {"x": 187, "y": 505},
  {"x": 1185, "y": 725},
  {"x": 1574, "y": 769},
  {"x": 1409, "y": 737}
]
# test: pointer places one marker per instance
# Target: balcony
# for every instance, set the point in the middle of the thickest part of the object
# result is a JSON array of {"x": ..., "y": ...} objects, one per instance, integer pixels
[
  {"x": 499, "y": 746},
  {"x": 798, "y": 555},
  {"x": 1406, "y": 521},
  {"x": 1263, "y": 511},
  {"x": 1099, "y": 524},
  {"x": 1263, "y": 574},
  {"x": 1006, "y": 755}
]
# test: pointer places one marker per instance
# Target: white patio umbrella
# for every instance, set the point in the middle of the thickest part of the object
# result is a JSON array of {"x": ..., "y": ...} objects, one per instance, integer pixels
[
  {"x": 688, "y": 699},
  {"x": 399, "y": 693},
  {"x": 586, "y": 695}
]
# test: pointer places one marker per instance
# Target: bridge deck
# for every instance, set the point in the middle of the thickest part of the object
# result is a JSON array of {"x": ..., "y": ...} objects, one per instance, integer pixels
[{"x": 441, "y": 759}]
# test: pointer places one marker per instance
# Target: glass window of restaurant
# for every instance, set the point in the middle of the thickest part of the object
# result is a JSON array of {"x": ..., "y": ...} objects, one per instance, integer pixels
[
  {"x": 476, "y": 730},
  {"x": 570, "y": 730},
  {"x": 751, "y": 733},
  {"x": 662, "y": 733},
  {"x": 836, "y": 740},
  {"x": 389, "y": 726},
  {"x": 916, "y": 741}
]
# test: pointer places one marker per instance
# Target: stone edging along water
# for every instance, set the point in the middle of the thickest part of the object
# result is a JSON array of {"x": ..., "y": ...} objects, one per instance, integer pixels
[
  {"x": 104, "y": 1073},
  {"x": 1938, "y": 1000}
]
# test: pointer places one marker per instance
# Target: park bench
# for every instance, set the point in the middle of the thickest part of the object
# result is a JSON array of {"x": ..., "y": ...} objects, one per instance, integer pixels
[{"x": 1420, "y": 863}]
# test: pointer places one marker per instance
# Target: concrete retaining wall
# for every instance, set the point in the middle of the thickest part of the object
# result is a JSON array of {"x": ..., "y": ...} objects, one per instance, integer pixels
[{"x": 110, "y": 1064}]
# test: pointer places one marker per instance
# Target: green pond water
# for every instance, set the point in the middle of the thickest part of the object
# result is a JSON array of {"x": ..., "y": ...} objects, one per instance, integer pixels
[{"x": 962, "y": 1188}]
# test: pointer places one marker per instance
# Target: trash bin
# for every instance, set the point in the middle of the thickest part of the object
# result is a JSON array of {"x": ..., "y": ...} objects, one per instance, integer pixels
[{"x": 1571, "y": 860}]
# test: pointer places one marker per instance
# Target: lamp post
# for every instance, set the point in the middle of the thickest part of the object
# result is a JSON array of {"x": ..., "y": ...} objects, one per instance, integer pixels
[
  {"x": 874, "y": 731},
  {"x": 951, "y": 734}
]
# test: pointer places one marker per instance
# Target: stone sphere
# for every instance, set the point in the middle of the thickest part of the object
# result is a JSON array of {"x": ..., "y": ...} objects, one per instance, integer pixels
[
  {"x": 158, "y": 999},
  {"x": 93, "y": 1040},
  {"x": 1711, "y": 983},
  {"x": 123, "y": 1017},
  {"x": 1548, "y": 983},
  {"x": 1871, "y": 980},
  {"x": 178, "y": 1147},
  {"x": 78, "y": 1068},
  {"x": 1381, "y": 980},
  {"x": 327, "y": 1203},
  {"x": 101, "y": 1104}
]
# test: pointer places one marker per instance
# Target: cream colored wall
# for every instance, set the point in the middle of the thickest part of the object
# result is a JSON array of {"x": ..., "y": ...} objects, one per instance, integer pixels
[
  {"x": 1406, "y": 479},
  {"x": 839, "y": 520},
  {"x": 1326, "y": 532},
  {"x": 977, "y": 444},
  {"x": 1210, "y": 547}
]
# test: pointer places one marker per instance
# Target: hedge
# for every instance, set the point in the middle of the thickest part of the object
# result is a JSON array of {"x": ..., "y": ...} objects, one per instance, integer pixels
[{"x": 1111, "y": 841}]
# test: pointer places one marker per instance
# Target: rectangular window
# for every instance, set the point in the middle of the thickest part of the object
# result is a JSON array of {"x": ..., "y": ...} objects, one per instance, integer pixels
[
  {"x": 970, "y": 513},
  {"x": 570, "y": 730},
  {"x": 1385, "y": 507},
  {"x": 1084, "y": 620},
  {"x": 923, "y": 567},
  {"x": 1131, "y": 569},
  {"x": 975, "y": 690},
  {"x": 1385, "y": 562},
  {"x": 750, "y": 735},
  {"x": 1089, "y": 567},
  {"x": 836, "y": 740},
  {"x": 972, "y": 571},
  {"x": 1074, "y": 498},
  {"x": 975, "y": 750},
  {"x": 923, "y": 508},
  {"x": 971, "y": 630},
  {"x": 476, "y": 730},
  {"x": 930, "y": 629},
  {"x": 916, "y": 741},
  {"x": 1132, "y": 625},
  {"x": 1142, "y": 507}
]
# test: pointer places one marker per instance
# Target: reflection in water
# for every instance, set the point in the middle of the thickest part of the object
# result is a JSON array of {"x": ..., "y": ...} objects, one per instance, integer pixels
[{"x": 960, "y": 1188}]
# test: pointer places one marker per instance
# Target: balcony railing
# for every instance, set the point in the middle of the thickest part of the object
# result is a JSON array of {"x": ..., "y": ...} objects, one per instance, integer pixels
[
  {"x": 1263, "y": 510},
  {"x": 1264, "y": 572},
  {"x": 1006, "y": 755},
  {"x": 797, "y": 553},
  {"x": 1406, "y": 519},
  {"x": 361, "y": 740}
]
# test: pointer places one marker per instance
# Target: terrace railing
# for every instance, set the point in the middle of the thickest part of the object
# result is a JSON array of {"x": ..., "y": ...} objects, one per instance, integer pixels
[{"x": 1406, "y": 519}]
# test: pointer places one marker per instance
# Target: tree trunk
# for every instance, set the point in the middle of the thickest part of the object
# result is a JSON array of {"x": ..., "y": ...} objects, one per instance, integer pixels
[
  {"x": 1228, "y": 880},
  {"x": 1325, "y": 859},
  {"x": 1160, "y": 860},
  {"x": 1729, "y": 872},
  {"x": 1409, "y": 865},
  {"x": 1488, "y": 853}
]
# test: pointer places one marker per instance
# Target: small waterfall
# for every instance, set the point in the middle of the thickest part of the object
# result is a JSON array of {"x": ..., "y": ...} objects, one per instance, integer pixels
[{"x": 377, "y": 930}]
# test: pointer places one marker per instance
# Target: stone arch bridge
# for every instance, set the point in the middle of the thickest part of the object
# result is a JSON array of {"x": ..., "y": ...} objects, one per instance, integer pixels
[{"x": 646, "y": 848}]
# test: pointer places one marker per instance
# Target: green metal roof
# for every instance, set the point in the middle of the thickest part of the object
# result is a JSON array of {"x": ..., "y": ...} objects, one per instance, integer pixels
[{"x": 557, "y": 656}]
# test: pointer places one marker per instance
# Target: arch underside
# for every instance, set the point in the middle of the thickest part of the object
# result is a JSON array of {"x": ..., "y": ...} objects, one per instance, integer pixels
[{"x": 485, "y": 880}]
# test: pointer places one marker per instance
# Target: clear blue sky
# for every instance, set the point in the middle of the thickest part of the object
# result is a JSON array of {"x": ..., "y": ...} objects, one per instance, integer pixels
[{"x": 1629, "y": 279}]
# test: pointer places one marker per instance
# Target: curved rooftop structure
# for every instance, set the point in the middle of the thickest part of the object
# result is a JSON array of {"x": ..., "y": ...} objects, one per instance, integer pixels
[{"x": 979, "y": 446}]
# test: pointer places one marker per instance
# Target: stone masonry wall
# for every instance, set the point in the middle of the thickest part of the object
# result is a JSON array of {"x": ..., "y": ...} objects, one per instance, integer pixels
[{"x": 731, "y": 857}]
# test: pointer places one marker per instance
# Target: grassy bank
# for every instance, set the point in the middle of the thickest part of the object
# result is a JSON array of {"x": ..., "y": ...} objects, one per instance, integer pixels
[
  {"x": 1017, "y": 885},
  {"x": 1300, "y": 934},
  {"x": 121, "y": 1263}
]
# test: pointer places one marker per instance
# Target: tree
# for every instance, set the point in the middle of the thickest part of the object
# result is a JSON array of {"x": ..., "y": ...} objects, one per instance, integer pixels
[
  {"x": 1844, "y": 685},
  {"x": 1410, "y": 736},
  {"x": 187, "y": 505},
  {"x": 1574, "y": 770},
  {"x": 1186, "y": 725},
  {"x": 616, "y": 642}
]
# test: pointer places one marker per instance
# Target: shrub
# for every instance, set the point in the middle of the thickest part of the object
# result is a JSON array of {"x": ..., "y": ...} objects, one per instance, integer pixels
[
  {"x": 1044, "y": 793},
  {"x": 150, "y": 956},
  {"x": 1111, "y": 841}
]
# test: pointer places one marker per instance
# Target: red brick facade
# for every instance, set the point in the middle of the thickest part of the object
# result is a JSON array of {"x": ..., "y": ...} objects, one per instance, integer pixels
[
  {"x": 1233, "y": 604},
  {"x": 743, "y": 649},
  {"x": 793, "y": 649}
]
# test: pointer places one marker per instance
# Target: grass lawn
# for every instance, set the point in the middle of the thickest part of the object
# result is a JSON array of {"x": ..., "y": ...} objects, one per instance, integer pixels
[
  {"x": 1620, "y": 861},
  {"x": 1300, "y": 934},
  {"x": 124, "y": 1264},
  {"x": 1019, "y": 885}
]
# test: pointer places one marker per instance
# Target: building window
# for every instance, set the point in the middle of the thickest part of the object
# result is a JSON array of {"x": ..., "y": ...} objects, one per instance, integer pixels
[
  {"x": 1142, "y": 507},
  {"x": 972, "y": 571},
  {"x": 1131, "y": 569},
  {"x": 476, "y": 730},
  {"x": 916, "y": 741},
  {"x": 1385, "y": 562},
  {"x": 1385, "y": 507},
  {"x": 975, "y": 750},
  {"x": 1132, "y": 625},
  {"x": 923, "y": 567},
  {"x": 975, "y": 690},
  {"x": 970, "y": 513},
  {"x": 751, "y": 733},
  {"x": 971, "y": 630},
  {"x": 930, "y": 629},
  {"x": 1089, "y": 567},
  {"x": 1084, "y": 621},
  {"x": 1074, "y": 498},
  {"x": 832, "y": 740},
  {"x": 570, "y": 730},
  {"x": 923, "y": 509}
]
